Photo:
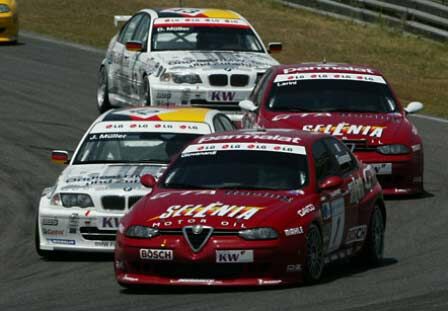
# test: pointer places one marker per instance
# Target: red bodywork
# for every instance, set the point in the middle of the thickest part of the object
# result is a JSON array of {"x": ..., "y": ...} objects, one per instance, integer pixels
[
  {"x": 244, "y": 262},
  {"x": 398, "y": 174}
]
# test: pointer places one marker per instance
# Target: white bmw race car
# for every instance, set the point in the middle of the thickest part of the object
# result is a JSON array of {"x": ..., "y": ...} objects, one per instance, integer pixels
[
  {"x": 198, "y": 57},
  {"x": 101, "y": 182}
]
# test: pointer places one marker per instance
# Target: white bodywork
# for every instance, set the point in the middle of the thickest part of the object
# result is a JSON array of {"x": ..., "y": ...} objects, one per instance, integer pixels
[
  {"x": 93, "y": 228},
  {"x": 128, "y": 70}
]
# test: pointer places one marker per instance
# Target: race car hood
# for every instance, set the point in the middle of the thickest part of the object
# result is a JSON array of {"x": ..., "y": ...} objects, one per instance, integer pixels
[
  {"x": 382, "y": 128},
  {"x": 220, "y": 209},
  {"x": 206, "y": 61},
  {"x": 100, "y": 177}
]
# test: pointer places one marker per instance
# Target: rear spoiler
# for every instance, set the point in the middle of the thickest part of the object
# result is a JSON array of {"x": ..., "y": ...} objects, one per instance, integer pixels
[{"x": 121, "y": 18}]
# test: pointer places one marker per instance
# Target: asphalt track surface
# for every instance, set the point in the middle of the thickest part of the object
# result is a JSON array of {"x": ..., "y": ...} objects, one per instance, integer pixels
[{"x": 47, "y": 100}]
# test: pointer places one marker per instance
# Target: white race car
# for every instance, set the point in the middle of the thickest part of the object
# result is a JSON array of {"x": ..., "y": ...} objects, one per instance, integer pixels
[
  {"x": 101, "y": 182},
  {"x": 198, "y": 57}
]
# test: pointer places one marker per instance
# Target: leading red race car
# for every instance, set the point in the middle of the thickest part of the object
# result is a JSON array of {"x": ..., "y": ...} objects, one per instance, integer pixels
[
  {"x": 353, "y": 103},
  {"x": 264, "y": 207}
]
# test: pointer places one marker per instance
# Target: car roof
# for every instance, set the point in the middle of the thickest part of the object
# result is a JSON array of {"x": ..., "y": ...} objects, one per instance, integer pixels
[
  {"x": 200, "y": 115},
  {"x": 269, "y": 136},
  {"x": 198, "y": 13},
  {"x": 326, "y": 67}
]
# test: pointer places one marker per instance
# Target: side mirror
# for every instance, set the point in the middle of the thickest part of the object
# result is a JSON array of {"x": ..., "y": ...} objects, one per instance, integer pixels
[
  {"x": 331, "y": 183},
  {"x": 59, "y": 157},
  {"x": 148, "y": 181},
  {"x": 121, "y": 19},
  {"x": 275, "y": 47},
  {"x": 413, "y": 107},
  {"x": 134, "y": 46},
  {"x": 247, "y": 105}
]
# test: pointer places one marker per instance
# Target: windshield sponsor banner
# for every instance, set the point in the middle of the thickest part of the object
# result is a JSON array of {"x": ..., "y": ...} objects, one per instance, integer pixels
[
  {"x": 200, "y": 22},
  {"x": 284, "y": 79},
  {"x": 151, "y": 126},
  {"x": 343, "y": 128},
  {"x": 327, "y": 68},
  {"x": 209, "y": 149}
]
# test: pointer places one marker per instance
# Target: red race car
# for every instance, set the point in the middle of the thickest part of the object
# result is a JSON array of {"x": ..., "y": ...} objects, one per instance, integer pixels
[
  {"x": 353, "y": 103},
  {"x": 260, "y": 207}
]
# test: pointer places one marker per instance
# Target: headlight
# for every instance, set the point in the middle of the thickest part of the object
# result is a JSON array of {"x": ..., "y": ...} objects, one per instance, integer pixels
[
  {"x": 259, "y": 234},
  {"x": 72, "y": 200},
  {"x": 393, "y": 149},
  {"x": 4, "y": 8},
  {"x": 141, "y": 232},
  {"x": 180, "y": 78}
]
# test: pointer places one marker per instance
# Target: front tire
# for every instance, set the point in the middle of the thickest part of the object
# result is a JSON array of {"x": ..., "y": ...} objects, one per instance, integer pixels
[
  {"x": 102, "y": 93},
  {"x": 314, "y": 261}
]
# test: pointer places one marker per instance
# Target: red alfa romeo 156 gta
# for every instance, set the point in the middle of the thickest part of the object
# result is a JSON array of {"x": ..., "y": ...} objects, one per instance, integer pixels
[
  {"x": 260, "y": 207},
  {"x": 353, "y": 103}
]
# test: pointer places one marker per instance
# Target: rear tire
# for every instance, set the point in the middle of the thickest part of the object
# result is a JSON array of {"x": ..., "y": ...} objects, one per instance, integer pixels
[
  {"x": 373, "y": 249},
  {"x": 102, "y": 93},
  {"x": 314, "y": 261}
]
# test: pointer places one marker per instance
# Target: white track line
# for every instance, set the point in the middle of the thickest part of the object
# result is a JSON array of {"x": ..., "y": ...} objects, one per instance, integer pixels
[
  {"x": 87, "y": 48},
  {"x": 436, "y": 119}
]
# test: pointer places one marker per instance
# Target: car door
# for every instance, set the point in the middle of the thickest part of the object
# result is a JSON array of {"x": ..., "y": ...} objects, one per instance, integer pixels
[
  {"x": 333, "y": 202},
  {"x": 353, "y": 185},
  {"x": 136, "y": 61},
  {"x": 124, "y": 62}
]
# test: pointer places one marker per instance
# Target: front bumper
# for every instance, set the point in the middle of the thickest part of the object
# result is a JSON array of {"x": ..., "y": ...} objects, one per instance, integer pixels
[
  {"x": 273, "y": 263},
  {"x": 9, "y": 27},
  {"x": 397, "y": 174}
]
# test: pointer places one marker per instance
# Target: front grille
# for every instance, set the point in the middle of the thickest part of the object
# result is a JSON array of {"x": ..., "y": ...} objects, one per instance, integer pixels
[
  {"x": 358, "y": 145},
  {"x": 239, "y": 80},
  {"x": 218, "y": 80},
  {"x": 95, "y": 234},
  {"x": 113, "y": 202},
  {"x": 206, "y": 271},
  {"x": 133, "y": 200}
]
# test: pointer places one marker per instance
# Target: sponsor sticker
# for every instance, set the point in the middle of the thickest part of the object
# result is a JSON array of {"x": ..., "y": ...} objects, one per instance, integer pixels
[
  {"x": 108, "y": 223},
  {"x": 104, "y": 243},
  {"x": 294, "y": 231},
  {"x": 223, "y": 96},
  {"x": 356, "y": 234},
  {"x": 50, "y": 221},
  {"x": 294, "y": 268},
  {"x": 52, "y": 232},
  {"x": 156, "y": 254},
  {"x": 244, "y": 146},
  {"x": 306, "y": 210},
  {"x": 62, "y": 241},
  {"x": 344, "y": 128},
  {"x": 234, "y": 256},
  {"x": 382, "y": 168}
]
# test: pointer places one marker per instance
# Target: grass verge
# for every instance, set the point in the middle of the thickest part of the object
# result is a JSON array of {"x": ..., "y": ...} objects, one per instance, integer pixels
[{"x": 416, "y": 67}]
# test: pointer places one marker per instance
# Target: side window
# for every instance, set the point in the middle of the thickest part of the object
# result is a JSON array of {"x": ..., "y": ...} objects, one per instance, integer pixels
[
  {"x": 128, "y": 30},
  {"x": 344, "y": 157},
  {"x": 217, "y": 125},
  {"x": 141, "y": 34},
  {"x": 226, "y": 123},
  {"x": 324, "y": 162}
]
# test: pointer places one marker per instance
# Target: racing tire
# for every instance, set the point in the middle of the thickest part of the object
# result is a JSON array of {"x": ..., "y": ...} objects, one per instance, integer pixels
[
  {"x": 102, "y": 92},
  {"x": 146, "y": 91},
  {"x": 314, "y": 261},
  {"x": 373, "y": 250},
  {"x": 42, "y": 253}
]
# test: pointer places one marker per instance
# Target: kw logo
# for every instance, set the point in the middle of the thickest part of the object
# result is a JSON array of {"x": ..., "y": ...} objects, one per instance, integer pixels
[{"x": 223, "y": 96}]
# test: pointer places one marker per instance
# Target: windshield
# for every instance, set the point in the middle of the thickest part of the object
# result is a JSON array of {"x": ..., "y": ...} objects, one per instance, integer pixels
[
  {"x": 331, "y": 96},
  {"x": 206, "y": 38},
  {"x": 131, "y": 147},
  {"x": 238, "y": 170}
]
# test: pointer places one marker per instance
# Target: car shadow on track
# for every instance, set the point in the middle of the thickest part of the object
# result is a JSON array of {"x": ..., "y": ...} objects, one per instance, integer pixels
[
  {"x": 80, "y": 257},
  {"x": 2, "y": 44},
  {"x": 333, "y": 272},
  {"x": 421, "y": 196}
]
